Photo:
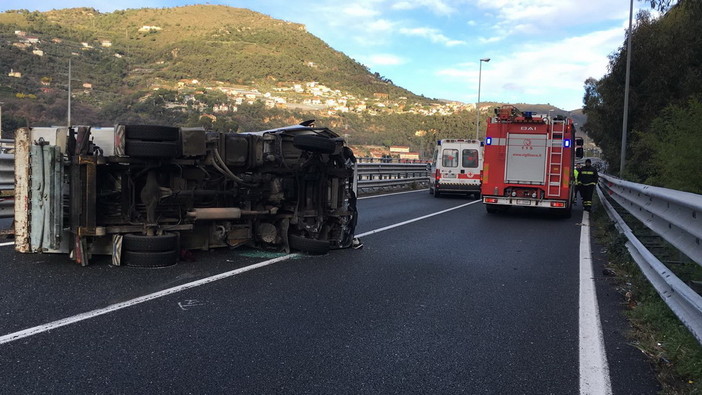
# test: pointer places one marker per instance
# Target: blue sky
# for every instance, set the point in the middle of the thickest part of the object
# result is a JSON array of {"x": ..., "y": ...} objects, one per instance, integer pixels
[{"x": 541, "y": 51}]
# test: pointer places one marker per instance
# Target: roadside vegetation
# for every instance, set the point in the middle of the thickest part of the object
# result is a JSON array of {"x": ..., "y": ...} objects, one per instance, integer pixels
[
  {"x": 655, "y": 330},
  {"x": 664, "y": 149},
  {"x": 665, "y": 109}
]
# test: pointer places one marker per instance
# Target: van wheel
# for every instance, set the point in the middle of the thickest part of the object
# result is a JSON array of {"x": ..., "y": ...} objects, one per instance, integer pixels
[
  {"x": 165, "y": 242},
  {"x": 310, "y": 246},
  {"x": 150, "y": 251},
  {"x": 149, "y": 259}
]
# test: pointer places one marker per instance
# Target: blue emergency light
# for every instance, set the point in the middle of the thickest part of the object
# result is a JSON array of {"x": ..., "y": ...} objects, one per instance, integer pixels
[
  {"x": 566, "y": 143},
  {"x": 488, "y": 141}
]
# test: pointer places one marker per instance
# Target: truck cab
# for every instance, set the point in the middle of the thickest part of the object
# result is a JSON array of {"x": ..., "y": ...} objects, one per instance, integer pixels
[{"x": 455, "y": 167}]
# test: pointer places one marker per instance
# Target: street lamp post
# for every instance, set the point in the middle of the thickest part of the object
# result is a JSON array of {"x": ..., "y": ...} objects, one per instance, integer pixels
[
  {"x": 625, "y": 119},
  {"x": 477, "y": 105}
]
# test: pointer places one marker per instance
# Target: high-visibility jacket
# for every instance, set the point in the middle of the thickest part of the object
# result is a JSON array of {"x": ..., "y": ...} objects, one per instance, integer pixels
[
  {"x": 576, "y": 173},
  {"x": 588, "y": 175}
]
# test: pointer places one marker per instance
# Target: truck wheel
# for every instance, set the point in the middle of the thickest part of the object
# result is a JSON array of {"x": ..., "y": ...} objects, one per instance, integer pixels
[
  {"x": 151, "y": 259},
  {"x": 437, "y": 193},
  {"x": 491, "y": 209},
  {"x": 151, "y": 133},
  {"x": 143, "y": 243},
  {"x": 310, "y": 246},
  {"x": 151, "y": 149},
  {"x": 314, "y": 143}
]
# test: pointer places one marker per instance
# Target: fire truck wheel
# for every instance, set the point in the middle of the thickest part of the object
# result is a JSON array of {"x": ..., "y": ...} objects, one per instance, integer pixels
[
  {"x": 490, "y": 208},
  {"x": 310, "y": 246},
  {"x": 143, "y": 243},
  {"x": 437, "y": 193},
  {"x": 151, "y": 133},
  {"x": 151, "y": 149},
  {"x": 315, "y": 143},
  {"x": 567, "y": 213},
  {"x": 149, "y": 259}
]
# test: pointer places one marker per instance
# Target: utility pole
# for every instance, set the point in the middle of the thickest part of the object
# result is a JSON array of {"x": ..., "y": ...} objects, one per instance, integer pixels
[
  {"x": 622, "y": 159},
  {"x": 477, "y": 105},
  {"x": 69, "y": 92}
]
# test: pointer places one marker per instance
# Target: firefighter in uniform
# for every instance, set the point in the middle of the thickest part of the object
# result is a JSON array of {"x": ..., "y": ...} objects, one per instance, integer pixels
[
  {"x": 576, "y": 173},
  {"x": 587, "y": 177}
]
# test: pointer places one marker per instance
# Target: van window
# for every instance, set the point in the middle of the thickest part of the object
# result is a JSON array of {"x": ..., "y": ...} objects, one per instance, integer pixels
[
  {"x": 450, "y": 158},
  {"x": 470, "y": 158}
]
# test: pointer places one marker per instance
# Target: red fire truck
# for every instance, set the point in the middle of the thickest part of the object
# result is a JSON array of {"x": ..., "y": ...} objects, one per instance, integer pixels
[{"x": 528, "y": 161}]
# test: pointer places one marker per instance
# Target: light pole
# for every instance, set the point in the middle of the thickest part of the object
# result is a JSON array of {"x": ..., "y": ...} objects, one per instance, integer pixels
[
  {"x": 625, "y": 120},
  {"x": 477, "y": 105}
]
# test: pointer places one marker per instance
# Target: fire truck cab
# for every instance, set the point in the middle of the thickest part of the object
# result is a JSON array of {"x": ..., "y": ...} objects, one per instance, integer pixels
[
  {"x": 455, "y": 167},
  {"x": 528, "y": 162}
]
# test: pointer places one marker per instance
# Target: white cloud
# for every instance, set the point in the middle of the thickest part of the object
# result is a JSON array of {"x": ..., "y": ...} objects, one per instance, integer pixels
[
  {"x": 380, "y": 25},
  {"x": 359, "y": 10},
  {"x": 431, "y": 34},
  {"x": 438, "y": 7},
  {"x": 547, "y": 72}
]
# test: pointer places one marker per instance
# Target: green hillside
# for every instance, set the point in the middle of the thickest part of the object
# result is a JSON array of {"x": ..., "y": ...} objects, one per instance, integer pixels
[{"x": 221, "y": 67}]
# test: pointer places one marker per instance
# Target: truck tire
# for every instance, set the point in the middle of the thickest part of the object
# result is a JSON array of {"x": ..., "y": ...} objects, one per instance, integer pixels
[
  {"x": 437, "y": 193},
  {"x": 149, "y": 259},
  {"x": 314, "y": 143},
  {"x": 491, "y": 209},
  {"x": 143, "y": 243},
  {"x": 151, "y": 133},
  {"x": 151, "y": 149},
  {"x": 310, "y": 246}
]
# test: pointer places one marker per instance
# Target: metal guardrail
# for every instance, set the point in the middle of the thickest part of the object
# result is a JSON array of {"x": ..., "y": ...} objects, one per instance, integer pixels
[
  {"x": 376, "y": 175},
  {"x": 673, "y": 215}
]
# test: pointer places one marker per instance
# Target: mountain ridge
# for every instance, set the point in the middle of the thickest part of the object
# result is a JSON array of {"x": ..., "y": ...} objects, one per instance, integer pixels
[{"x": 184, "y": 64}]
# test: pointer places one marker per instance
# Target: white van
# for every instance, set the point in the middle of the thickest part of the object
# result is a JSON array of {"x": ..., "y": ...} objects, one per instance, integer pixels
[{"x": 456, "y": 167}]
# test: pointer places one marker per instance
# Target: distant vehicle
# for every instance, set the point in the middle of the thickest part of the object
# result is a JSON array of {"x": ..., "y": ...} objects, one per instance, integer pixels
[
  {"x": 145, "y": 194},
  {"x": 529, "y": 161},
  {"x": 456, "y": 167}
]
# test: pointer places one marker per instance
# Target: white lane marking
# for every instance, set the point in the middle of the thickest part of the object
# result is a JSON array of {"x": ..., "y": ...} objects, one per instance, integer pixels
[
  {"x": 392, "y": 194},
  {"x": 11, "y": 243},
  {"x": 118, "y": 306},
  {"x": 594, "y": 370},
  {"x": 417, "y": 219}
]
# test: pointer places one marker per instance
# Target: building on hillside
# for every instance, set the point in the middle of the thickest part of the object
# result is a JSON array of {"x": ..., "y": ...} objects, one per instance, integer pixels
[
  {"x": 147, "y": 28},
  {"x": 396, "y": 149},
  {"x": 409, "y": 156}
]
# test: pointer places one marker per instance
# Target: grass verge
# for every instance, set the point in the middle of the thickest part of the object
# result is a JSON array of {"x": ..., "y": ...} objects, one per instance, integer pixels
[{"x": 656, "y": 331}]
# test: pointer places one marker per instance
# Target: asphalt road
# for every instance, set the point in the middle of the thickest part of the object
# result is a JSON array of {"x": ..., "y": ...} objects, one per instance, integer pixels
[{"x": 457, "y": 302}]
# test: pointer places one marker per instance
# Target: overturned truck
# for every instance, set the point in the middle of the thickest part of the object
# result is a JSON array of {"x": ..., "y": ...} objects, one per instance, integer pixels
[{"x": 147, "y": 194}]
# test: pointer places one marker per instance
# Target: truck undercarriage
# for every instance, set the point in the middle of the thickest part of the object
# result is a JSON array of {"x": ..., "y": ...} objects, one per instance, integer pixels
[{"x": 145, "y": 194}]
